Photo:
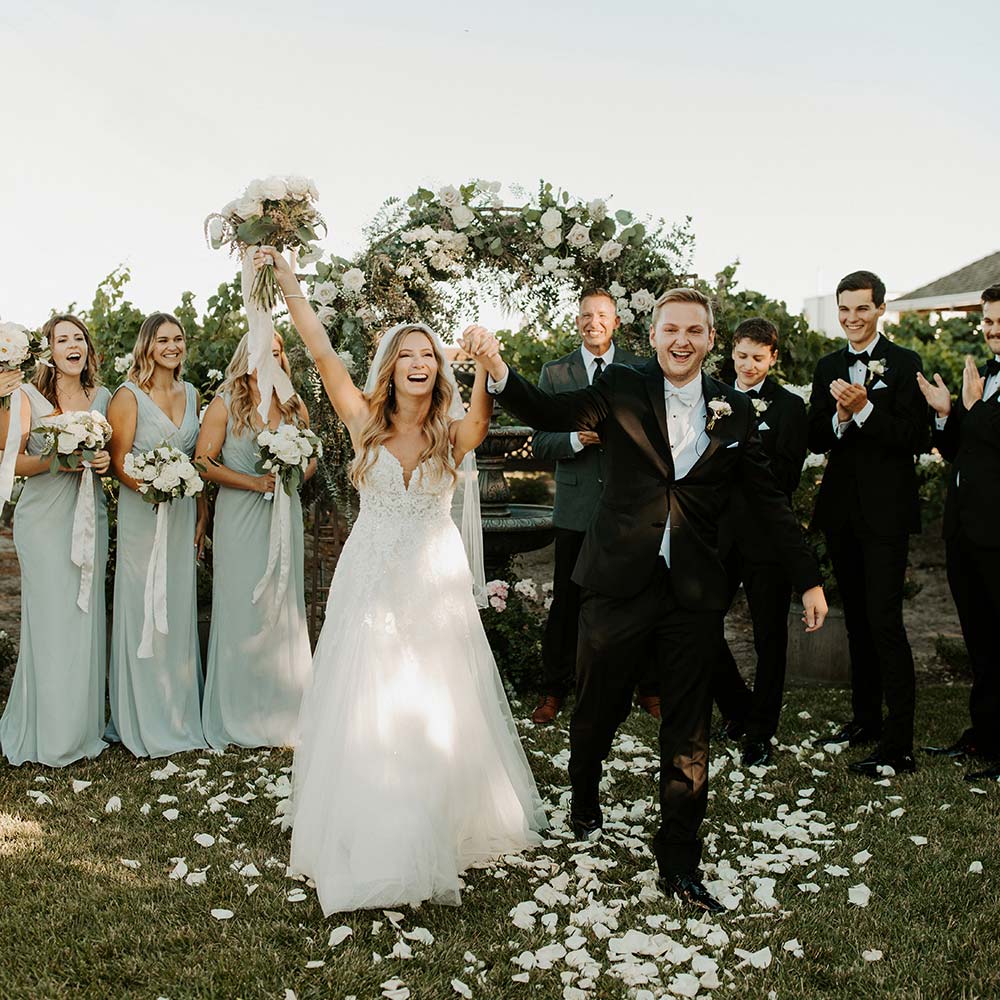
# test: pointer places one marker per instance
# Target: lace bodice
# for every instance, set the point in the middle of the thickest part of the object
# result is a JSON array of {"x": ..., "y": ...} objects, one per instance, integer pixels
[{"x": 385, "y": 498}]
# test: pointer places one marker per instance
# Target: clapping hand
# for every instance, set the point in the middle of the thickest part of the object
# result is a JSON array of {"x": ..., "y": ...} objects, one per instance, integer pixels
[
  {"x": 937, "y": 395},
  {"x": 850, "y": 398},
  {"x": 972, "y": 384}
]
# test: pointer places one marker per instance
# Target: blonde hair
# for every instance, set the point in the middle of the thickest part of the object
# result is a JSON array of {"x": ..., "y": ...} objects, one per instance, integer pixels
[
  {"x": 382, "y": 401},
  {"x": 143, "y": 365},
  {"x": 239, "y": 384},
  {"x": 684, "y": 295},
  {"x": 46, "y": 377}
]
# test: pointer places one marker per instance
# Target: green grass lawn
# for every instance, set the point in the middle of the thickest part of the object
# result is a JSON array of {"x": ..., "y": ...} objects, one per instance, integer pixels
[{"x": 77, "y": 922}]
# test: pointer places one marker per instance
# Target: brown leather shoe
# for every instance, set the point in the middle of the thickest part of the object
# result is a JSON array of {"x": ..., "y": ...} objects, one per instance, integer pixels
[
  {"x": 650, "y": 703},
  {"x": 546, "y": 710}
]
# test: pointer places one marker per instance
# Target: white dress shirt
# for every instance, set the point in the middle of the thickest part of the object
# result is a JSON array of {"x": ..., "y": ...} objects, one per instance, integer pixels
[
  {"x": 590, "y": 363},
  {"x": 687, "y": 415},
  {"x": 857, "y": 372}
]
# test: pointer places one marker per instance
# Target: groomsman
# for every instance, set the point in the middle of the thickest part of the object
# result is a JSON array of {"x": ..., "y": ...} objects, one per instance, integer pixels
[
  {"x": 579, "y": 457},
  {"x": 867, "y": 412},
  {"x": 748, "y": 552},
  {"x": 967, "y": 433}
]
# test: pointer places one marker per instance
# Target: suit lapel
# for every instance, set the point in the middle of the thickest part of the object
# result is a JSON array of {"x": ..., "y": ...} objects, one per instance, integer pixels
[
  {"x": 713, "y": 389},
  {"x": 577, "y": 370},
  {"x": 657, "y": 398}
]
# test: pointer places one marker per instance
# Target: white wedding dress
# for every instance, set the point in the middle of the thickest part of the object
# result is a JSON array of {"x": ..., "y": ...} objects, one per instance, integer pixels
[{"x": 409, "y": 768}]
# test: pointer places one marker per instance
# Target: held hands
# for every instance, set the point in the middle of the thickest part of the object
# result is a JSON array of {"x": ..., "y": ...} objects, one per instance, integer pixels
[
  {"x": 850, "y": 398},
  {"x": 483, "y": 346},
  {"x": 973, "y": 384},
  {"x": 814, "y": 609},
  {"x": 588, "y": 437},
  {"x": 937, "y": 395}
]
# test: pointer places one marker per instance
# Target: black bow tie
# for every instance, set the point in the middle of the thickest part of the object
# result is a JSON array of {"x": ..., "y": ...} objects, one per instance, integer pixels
[
  {"x": 598, "y": 368},
  {"x": 753, "y": 393},
  {"x": 992, "y": 367},
  {"x": 862, "y": 356}
]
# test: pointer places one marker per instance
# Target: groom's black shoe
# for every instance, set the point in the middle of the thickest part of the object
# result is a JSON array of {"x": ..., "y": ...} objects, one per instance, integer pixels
[
  {"x": 852, "y": 733},
  {"x": 964, "y": 745},
  {"x": 869, "y": 767},
  {"x": 756, "y": 753},
  {"x": 987, "y": 774},
  {"x": 585, "y": 821},
  {"x": 691, "y": 890}
]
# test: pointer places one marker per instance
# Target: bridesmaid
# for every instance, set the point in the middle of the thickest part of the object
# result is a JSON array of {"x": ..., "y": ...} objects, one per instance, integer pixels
[
  {"x": 155, "y": 702},
  {"x": 55, "y": 713},
  {"x": 257, "y": 666}
]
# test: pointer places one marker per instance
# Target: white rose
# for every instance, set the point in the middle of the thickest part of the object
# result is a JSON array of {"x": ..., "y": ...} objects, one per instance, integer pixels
[
  {"x": 148, "y": 473},
  {"x": 616, "y": 290},
  {"x": 578, "y": 236},
  {"x": 298, "y": 187},
  {"x": 459, "y": 244},
  {"x": 643, "y": 300},
  {"x": 324, "y": 292},
  {"x": 14, "y": 343},
  {"x": 626, "y": 315},
  {"x": 255, "y": 190},
  {"x": 354, "y": 280},
  {"x": 216, "y": 230},
  {"x": 246, "y": 208},
  {"x": 275, "y": 188},
  {"x": 308, "y": 254},
  {"x": 552, "y": 238},
  {"x": 123, "y": 363},
  {"x": 66, "y": 443},
  {"x": 550, "y": 263},
  {"x": 163, "y": 453},
  {"x": 551, "y": 219},
  {"x": 326, "y": 315},
  {"x": 410, "y": 236},
  {"x": 129, "y": 464},
  {"x": 405, "y": 271},
  {"x": 229, "y": 209},
  {"x": 214, "y": 373},
  {"x": 598, "y": 209},
  {"x": 610, "y": 251},
  {"x": 462, "y": 215},
  {"x": 186, "y": 470},
  {"x": 450, "y": 196}
]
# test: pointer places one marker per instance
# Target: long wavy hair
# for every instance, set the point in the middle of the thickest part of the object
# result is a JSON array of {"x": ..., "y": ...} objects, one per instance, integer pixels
[
  {"x": 238, "y": 383},
  {"x": 143, "y": 364},
  {"x": 382, "y": 401},
  {"x": 45, "y": 378}
]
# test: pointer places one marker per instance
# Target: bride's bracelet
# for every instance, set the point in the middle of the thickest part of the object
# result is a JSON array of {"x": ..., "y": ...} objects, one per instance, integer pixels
[{"x": 299, "y": 296}]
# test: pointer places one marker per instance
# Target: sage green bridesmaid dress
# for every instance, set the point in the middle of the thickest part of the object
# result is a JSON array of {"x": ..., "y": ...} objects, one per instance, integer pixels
[
  {"x": 259, "y": 658},
  {"x": 55, "y": 712},
  {"x": 156, "y": 701}
]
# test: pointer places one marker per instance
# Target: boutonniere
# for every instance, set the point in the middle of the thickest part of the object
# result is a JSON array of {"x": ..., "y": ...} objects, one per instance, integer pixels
[
  {"x": 876, "y": 369},
  {"x": 719, "y": 408},
  {"x": 760, "y": 406}
]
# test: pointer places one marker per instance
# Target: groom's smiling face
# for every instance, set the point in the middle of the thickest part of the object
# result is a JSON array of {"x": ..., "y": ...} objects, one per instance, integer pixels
[{"x": 681, "y": 337}]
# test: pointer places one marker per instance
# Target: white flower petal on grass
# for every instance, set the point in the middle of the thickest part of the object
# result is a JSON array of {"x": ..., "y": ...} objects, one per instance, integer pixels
[
  {"x": 862, "y": 858},
  {"x": 460, "y": 988},
  {"x": 197, "y": 878},
  {"x": 204, "y": 839},
  {"x": 976, "y": 868},
  {"x": 296, "y": 896},
  {"x": 421, "y": 934},
  {"x": 401, "y": 950},
  {"x": 170, "y": 814},
  {"x": 41, "y": 799},
  {"x": 757, "y": 959},
  {"x": 859, "y": 894},
  {"x": 129, "y": 863},
  {"x": 223, "y": 914},
  {"x": 836, "y": 871},
  {"x": 896, "y": 813},
  {"x": 872, "y": 955},
  {"x": 684, "y": 985},
  {"x": 339, "y": 934},
  {"x": 168, "y": 769},
  {"x": 113, "y": 805},
  {"x": 79, "y": 786},
  {"x": 918, "y": 840},
  {"x": 394, "y": 917},
  {"x": 794, "y": 948},
  {"x": 249, "y": 871},
  {"x": 316, "y": 963},
  {"x": 978, "y": 791},
  {"x": 179, "y": 870}
]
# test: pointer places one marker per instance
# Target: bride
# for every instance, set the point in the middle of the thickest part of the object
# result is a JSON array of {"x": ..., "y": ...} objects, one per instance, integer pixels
[{"x": 409, "y": 768}]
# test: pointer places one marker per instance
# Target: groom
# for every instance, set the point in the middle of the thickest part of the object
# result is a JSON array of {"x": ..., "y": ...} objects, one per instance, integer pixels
[{"x": 676, "y": 444}]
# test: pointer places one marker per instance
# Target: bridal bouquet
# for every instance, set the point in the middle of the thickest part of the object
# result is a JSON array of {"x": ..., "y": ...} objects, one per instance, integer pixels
[
  {"x": 73, "y": 438},
  {"x": 279, "y": 211},
  {"x": 286, "y": 452},
  {"x": 20, "y": 350},
  {"x": 164, "y": 474}
]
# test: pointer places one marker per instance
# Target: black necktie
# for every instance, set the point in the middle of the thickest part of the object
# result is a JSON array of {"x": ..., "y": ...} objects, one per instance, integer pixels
[
  {"x": 598, "y": 368},
  {"x": 992, "y": 368}
]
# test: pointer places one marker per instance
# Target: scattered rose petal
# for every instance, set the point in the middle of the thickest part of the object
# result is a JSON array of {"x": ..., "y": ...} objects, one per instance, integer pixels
[
  {"x": 460, "y": 988},
  {"x": 918, "y": 840},
  {"x": 859, "y": 894},
  {"x": 339, "y": 935},
  {"x": 129, "y": 863},
  {"x": 316, "y": 963},
  {"x": 223, "y": 914},
  {"x": 179, "y": 870},
  {"x": 872, "y": 955},
  {"x": 79, "y": 786},
  {"x": 170, "y": 814},
  {"x": 862, "y": 858},
  {"x": 976, "y": 868},
  {"x": 204, "y": 839},
  {"x": 113, "y": 805}
]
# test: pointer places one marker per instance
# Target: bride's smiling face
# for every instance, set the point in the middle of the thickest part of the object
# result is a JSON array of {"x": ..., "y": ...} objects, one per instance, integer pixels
[{"x": 416, "y": 367}]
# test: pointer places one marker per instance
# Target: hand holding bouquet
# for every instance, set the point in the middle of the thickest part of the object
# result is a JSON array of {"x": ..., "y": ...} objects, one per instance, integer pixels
[
  {"x": 20, "y": 351},
  {"x": 286, "y": 453},
  {"x": 279, "y": 211},
  {"x": 74, "y": 440},
  {"x": 164, "y": 474}
]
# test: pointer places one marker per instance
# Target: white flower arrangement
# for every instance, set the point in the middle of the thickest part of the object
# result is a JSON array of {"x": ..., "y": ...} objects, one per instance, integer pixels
[
  {"x": 72, "y": 439},
  {"x": 642, "y": 301},
  {"x": 719, "y": 408},
  {"x": 123, "y": 363},
  {"x": 286, "y": 452},
  {"x": 164, "y": 474},
  {"x": 20, "y": 350}
]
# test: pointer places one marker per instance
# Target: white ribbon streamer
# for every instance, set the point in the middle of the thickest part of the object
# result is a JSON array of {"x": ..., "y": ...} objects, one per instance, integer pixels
[
  {"x": 11, "y": 447},
  {"x": 279, "y": 552},
  {"x": 84, "y": 538},
  {"x": 155, "y": 598},
  {"x": 260, "y": 340}
]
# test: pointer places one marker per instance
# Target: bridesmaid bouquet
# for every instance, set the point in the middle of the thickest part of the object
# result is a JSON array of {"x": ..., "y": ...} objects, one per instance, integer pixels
[
  {"x": 73, "y": 438},
  {"x": 20, "y": 350},
  {"x": 286, "y": 452},
  {"x": 164, "y": 474},
  {"x": 279, "y": 211}
]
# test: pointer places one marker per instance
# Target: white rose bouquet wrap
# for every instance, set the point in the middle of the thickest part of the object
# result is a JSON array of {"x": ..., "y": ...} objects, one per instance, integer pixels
[
  {"x": 163, "y": 474},
  {"x": 72, "y": 440},
  {"x": 285, "y": 452}
]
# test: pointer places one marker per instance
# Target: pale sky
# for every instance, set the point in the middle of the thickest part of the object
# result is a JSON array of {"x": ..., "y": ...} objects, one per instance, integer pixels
[{"x": 807, "y": 140}]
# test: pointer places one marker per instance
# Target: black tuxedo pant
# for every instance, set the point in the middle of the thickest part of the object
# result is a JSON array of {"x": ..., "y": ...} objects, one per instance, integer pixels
[
  {"x": 974, "y": 578},
  {"x": 769, "y": 594},
  {"x": 870, "y": 572},
  {"x": 617, "y": 638},
  {"x": 562, "y": 627}
]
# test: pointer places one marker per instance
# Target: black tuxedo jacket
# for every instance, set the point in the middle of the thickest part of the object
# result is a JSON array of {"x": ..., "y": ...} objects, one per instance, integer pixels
[
  {"x": 579, "y": 474},
  {"x": 621, "y": 550},
  {"x": 783, "y": 429},
  {"x": 970, "y": 440},
  {"x": 870, "y": 481}
]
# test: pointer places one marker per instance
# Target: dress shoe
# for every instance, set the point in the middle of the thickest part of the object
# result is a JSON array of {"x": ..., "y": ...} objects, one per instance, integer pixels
[
  {"x": 650, "y": 704},
  {"x": 756, "y": 752},
  {"x": 852, "y": 733},
  {"x": 691, "y": 890},
  {"x": 585, "y": 820},
  {"x": 963, "y": 746},
  {"x": 869, "y": 766},
  {"x": 730, "y": 729},
  {"x": 546, "y": 710},
  {"x": 987, "y": 774}
]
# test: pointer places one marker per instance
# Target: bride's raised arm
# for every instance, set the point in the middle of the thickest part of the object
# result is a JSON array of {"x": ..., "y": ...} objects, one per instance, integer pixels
[
  {"x": 469, "y": 432},
  {"x": 346, "y": 397}
]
